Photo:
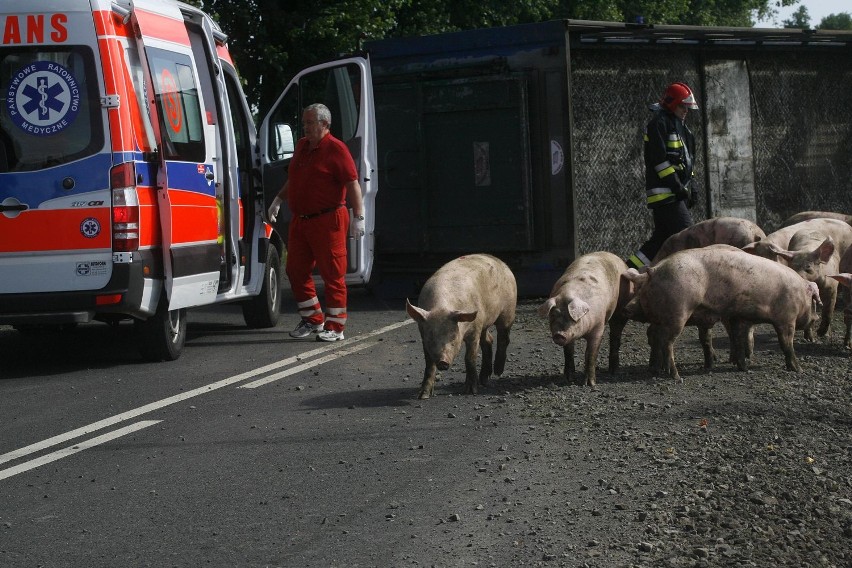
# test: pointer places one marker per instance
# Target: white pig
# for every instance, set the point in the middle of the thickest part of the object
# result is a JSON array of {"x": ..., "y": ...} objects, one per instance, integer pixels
[
  {"x": 814, "y": 254},
  {"x": 732, "y": 231},
  {"x": 845, "y": 278},
  {"x": 780, "y": 239},
  {"x": 581, "y": 302},
  {"x": 458, "y": 304},
  {"x": 805, "y": 215},
  {"x": 744, "y": 289}
]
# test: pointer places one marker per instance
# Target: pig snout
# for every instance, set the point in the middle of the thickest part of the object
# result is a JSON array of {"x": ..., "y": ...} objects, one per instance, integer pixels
[{"x": 560, "y": 339}]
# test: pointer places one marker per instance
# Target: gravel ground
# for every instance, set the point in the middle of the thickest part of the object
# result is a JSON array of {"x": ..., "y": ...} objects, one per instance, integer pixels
[{"x": 726, "y": 469}]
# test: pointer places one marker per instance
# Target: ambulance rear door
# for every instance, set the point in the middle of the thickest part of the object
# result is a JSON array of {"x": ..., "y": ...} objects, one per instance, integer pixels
[
  {"x": 345, "y": 87},
  {"x": 188, "y": 195}
]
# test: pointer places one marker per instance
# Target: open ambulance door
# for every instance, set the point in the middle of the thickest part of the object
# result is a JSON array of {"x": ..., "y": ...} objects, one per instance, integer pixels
[
  {"x": 346, "y": 88},
  {"x": 186, "y": 195}
]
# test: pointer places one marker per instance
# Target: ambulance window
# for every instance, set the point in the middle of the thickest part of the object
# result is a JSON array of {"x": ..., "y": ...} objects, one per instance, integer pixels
[
  {"x": 178, "y": 104},
  {"x": 51, "y": 111}
]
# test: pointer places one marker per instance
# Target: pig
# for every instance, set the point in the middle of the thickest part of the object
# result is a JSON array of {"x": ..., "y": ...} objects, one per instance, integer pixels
[
  {"x": 719, "y": 230},
  {"x": 780, "y": 239},
  {"x": 581, "y": 302},
  {"x": 805, "y": 215},
  {"x": 845, "y": 278},
  {"x": 814, "y": 254},
  {"x": 704, "y": 323},
  {"x": 458, "y": 304},
  {"x": 744, "y": 289}
]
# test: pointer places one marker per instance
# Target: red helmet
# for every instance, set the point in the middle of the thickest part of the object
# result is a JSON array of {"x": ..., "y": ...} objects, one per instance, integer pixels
[{"x": 678, "y": 94}]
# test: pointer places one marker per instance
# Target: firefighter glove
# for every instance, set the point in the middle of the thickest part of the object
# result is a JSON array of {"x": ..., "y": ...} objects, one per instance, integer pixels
[
  {"x": 693, "y": 198},
  {"x": 357, "y": 226},
  {"x": 273, "y": 209}
]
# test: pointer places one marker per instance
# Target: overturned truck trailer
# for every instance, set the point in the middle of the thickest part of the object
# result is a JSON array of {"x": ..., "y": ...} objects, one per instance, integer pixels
[{"x": 526, "y": 141}]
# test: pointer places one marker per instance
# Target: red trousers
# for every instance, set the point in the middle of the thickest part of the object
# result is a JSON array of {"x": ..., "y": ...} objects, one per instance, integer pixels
[{"x": 319, "y": 242}]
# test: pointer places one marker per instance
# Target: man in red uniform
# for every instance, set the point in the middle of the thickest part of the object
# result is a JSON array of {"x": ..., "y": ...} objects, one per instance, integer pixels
[{"x": 321, "y": 178}]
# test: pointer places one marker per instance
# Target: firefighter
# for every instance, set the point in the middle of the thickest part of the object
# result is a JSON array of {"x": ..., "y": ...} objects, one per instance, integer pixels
[
  {"x": 669, "y": 161},
  {"x": 322, "y": 176}
]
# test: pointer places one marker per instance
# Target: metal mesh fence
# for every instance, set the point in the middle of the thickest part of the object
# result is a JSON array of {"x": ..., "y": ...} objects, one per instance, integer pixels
[{"x": 802, "y": 127}]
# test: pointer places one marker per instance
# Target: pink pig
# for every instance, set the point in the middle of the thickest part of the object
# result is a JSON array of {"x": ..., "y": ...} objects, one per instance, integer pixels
[
  {"x": 732, "y": 231},
  {"x": 805, "y": 215},
  {"x": 458, "y": 304},
  {"x": 845, "y": 278},
  {"x": 581, "y": 302},
  {"x": 743, "y": 289},
  {"x": 815, "y": 253}
]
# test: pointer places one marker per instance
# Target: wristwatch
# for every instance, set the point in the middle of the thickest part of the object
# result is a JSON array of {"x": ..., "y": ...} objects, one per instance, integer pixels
[{"x": 359, "y": 217}]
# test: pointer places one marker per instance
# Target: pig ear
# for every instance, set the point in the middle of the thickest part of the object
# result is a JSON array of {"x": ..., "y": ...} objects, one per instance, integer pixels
[
  {"x": 417, "y": 314},
  {"x": 785, "y": 254},
  {"x": 544, "y": 309},
  {"x": 750, "y": 247},
  {"x": 463, "y": 316},
  {"x": 825, "y": 250},
  {"x": 844, "y": 278},
  {"x": 577, "y": 309}
]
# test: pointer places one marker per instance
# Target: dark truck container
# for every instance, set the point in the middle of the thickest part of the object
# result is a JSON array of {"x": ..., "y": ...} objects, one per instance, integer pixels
[{"x": 526, "y": 141}]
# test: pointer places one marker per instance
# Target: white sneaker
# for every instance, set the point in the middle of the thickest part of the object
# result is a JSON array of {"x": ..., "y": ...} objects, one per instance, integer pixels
[
  {"x": 330, "y": 335},
  {"x": 305, "y": 328}
]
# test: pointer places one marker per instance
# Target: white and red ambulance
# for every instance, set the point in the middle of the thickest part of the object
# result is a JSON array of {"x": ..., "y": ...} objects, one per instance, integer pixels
[{"x": 130, "y": 171}]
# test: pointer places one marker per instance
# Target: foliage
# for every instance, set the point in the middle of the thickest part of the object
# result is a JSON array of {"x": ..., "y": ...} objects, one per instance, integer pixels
[
  {"x": 841, "y": 21},
  {"x": 799, "y": 19},
  {"x": 271, "y": 40}
]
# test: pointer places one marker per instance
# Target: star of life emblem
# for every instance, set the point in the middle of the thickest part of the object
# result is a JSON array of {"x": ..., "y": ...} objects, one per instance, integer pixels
[{"x": 43, "y": 98}]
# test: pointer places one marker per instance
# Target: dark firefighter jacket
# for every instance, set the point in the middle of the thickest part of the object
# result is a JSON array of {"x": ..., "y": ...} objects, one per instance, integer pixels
[{"x": 669, "y": 159}]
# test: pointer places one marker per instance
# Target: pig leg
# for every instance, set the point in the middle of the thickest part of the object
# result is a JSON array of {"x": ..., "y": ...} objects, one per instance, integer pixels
[
  {"x": 705, "y": 336},
  {"x": 502, "y": 346},
  {"x": 828, "y": 296},
  {"x": 568, "y": 352},
  {"x": 616, "y": 328},
  {"x": 666, "y": 336},
  {"x": 471, "y": 385},
  {"x": 428, "y": 384},
  {"x": 785, "y": 340},
  {"x": 847, "y": 321},
  {"x": 593, "y": 346},
  {"x": 485, "y": 344},
  {"x": 737, "y": 333},
  {"x": 655, "y": 359}
]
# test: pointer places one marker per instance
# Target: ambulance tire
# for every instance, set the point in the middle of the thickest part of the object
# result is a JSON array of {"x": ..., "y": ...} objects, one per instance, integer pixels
[
  {"x": 262, "y": 311},
  {"x": 163, "y": 335}
]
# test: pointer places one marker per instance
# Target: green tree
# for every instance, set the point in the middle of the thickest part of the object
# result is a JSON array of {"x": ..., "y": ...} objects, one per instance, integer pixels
[
  {"x": 799, "y": 19},
  {"x": 271, "y": 40},
  {"x": 841, "y": 21}
]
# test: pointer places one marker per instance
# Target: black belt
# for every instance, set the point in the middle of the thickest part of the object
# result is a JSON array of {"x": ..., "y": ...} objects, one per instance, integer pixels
[{"x": 322, "y": 212}]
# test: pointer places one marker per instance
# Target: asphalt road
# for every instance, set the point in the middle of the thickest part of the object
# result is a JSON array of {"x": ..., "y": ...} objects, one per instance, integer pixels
[{"x": 252, "y": 449}]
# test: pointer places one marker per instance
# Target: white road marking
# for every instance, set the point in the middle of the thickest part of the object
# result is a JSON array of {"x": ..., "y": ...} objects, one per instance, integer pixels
[
  {"x": 303, "y": 366},
  {"x": 65, "y": 452},
  {"x": 130, "y": 414}
]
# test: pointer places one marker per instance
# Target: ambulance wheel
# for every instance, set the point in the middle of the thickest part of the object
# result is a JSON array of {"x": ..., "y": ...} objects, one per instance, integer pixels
[
  {"x": 163, "y": 335},
  {"x": 262, "y": 310}
]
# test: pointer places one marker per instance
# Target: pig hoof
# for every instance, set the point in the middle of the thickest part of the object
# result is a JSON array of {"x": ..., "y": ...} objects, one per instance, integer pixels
[{"x": 424, "y": 395}]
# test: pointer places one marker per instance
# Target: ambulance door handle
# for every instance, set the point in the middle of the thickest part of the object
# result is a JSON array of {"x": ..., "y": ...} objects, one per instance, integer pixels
[{"x": 209, "y": 176}]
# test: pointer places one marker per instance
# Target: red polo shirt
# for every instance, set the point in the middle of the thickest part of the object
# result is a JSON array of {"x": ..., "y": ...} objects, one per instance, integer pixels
[{"x": 317, "y": 178}]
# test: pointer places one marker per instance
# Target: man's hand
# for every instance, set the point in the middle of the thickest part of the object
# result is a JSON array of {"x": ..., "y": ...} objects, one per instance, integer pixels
[
  {"x": 273, "y": 209},
  {"x": 357, "y": 227}
]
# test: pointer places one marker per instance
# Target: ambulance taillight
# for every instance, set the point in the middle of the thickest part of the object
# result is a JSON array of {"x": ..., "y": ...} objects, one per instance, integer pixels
[{"x": 125, "y": 208}]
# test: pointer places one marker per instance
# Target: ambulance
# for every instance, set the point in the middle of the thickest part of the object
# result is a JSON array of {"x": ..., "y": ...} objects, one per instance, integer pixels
[{"x": 131, "y": 174}]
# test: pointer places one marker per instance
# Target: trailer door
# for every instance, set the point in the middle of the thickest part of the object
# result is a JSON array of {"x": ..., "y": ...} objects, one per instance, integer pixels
[{"x": 345, "y": 87}]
